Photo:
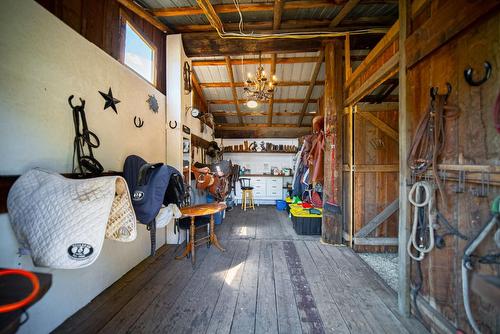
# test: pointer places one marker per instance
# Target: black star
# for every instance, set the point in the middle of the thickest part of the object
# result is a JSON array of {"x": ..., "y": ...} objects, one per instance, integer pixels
[{"x": 110, "y": 100}]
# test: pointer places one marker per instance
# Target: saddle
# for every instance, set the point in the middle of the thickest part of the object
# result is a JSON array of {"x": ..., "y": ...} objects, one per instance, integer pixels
[
  {"x": 214, "y": 178},
  {"x": 63, "y": 222}
]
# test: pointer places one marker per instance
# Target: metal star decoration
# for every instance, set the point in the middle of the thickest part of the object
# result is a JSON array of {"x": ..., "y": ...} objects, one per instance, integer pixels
[{"x": 110, "y": 100}]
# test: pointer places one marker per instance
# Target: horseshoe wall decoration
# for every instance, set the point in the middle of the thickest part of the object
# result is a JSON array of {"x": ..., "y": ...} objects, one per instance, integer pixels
[
  {"x": 469, "y": 72},
  {"x": 138, "y": 122},
  {"x": 170, "y": 124}
]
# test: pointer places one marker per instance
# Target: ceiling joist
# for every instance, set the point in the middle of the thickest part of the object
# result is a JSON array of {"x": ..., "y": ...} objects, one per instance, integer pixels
[
  {"x": 311, "y": 86},
  {"x": 242, "y": 84},
  {"x": 241, "y": 101},
  {"x": 233, "y": 88},
  {"x": 346, "y": 9}
]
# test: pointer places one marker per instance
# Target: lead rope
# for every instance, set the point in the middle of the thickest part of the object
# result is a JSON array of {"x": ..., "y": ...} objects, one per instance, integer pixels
[{"x": 417, "y": 239}]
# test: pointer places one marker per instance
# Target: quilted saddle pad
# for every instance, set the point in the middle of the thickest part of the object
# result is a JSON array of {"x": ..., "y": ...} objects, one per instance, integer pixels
[{"x": 63, "y": 222}]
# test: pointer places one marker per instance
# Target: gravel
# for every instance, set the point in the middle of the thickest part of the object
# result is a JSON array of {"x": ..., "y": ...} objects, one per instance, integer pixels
[{"x": 384, "y": 264}]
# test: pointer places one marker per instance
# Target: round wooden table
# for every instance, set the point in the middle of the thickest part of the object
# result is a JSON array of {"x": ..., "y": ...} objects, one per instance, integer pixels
[{"x": 196, "y": 211}]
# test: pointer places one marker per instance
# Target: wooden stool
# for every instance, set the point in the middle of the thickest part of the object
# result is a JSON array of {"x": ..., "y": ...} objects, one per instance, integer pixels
[{"x": 246, "y": 194}]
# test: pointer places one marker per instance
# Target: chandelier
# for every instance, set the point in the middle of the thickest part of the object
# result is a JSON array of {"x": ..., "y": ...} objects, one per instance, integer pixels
[{"x": 259, "y": 87}]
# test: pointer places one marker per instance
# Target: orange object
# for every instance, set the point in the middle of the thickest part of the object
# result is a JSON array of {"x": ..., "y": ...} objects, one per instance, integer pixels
[{"x": 26, "y": 301}]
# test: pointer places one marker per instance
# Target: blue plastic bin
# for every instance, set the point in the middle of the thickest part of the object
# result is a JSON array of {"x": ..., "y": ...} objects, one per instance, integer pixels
[
  {"x": 281, "y": 205},
  {"x": 218, "y": 217}
]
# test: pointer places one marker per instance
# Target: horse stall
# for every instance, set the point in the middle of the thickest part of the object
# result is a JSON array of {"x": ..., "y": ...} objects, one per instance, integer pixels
[{"x": 271, "y": 166}]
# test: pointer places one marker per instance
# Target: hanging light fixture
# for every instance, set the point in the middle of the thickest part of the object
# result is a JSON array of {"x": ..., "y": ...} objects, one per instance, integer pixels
[{"x": 259, "y": 87}]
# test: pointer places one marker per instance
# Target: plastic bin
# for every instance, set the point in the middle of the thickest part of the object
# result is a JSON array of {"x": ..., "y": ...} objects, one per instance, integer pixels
[
  {"x": 281, "y": 205},
  {"x": 305, "y": 223},
  {"x": 219, "y": 216}
]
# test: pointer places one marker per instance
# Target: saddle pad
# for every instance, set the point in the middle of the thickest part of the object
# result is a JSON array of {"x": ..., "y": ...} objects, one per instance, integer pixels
[{"x": 63, "y": 222}]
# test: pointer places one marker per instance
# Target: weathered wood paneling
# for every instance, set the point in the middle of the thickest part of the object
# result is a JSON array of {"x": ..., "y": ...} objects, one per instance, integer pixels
[
  {"x": 374, "y": 191},
  {"x": 99, "y": 22},
  {"x": 474, "y": 136}
]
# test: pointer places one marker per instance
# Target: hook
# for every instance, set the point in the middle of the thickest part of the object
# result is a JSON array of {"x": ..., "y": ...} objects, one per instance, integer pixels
[
  {"x": 435, "y": 90},
  {"x": 469, "y": 72},
  {"x": 70, "y": 101},
  {"x": 138, "y": 122},
  {"x": 170, "y": 124}
]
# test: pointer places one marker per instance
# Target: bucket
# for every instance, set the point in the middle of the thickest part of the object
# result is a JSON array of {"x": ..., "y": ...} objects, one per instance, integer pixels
[
  {"x": 219, "y": 215},
  {"x": 281, "y": 205}
]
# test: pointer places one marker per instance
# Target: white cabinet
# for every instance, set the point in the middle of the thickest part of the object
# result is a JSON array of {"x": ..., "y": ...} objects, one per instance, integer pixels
[{"x": 264, "y": 188}]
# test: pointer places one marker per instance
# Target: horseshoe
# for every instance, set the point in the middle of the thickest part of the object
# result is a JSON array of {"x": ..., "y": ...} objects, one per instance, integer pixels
[
  {"x": 469, "y": 71},
  {"x": 170, "y": 124},
  {"x": 138, "y": 122}
]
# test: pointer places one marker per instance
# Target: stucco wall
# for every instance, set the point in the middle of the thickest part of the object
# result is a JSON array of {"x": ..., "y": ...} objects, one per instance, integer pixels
[{"x": 42, "y": 62}]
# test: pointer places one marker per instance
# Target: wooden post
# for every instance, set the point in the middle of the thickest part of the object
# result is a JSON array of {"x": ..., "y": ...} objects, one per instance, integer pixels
[
  {"x": 404, "y": 144},
  {"x": 331, "y": 231}
]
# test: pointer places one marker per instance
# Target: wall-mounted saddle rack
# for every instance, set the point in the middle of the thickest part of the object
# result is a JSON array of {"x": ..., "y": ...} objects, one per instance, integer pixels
[
  {"x": 7, "y": 181},
  {"x": 467, "y": 174}
]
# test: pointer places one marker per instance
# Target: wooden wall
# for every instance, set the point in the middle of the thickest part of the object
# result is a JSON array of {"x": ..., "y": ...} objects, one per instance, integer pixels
[
  {"x": 472, "y": 135},
  {"x": 99, "y": 22},
  {"x": 374, "y": 191}
]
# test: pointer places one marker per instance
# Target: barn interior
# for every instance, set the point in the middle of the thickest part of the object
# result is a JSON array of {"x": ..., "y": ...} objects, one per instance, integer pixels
[{"x": 249, "y": 166}]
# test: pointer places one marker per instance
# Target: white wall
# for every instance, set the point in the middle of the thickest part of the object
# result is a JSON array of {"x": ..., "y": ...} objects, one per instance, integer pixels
[
  {"x": 42, "y": 62},
  {"x": 257, "y": 162}
]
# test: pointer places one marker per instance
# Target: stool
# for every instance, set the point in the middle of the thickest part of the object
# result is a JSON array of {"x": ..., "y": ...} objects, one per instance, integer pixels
[{"x": 246, "y": 193}]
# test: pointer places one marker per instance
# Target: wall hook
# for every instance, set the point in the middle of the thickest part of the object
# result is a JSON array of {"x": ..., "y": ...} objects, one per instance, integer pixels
[
  {"x": 138, "y": 122},
  {"x": 469, "y": 72},
  {"x": 435, "y": 90},
  {"x": 170, "y": 124}
]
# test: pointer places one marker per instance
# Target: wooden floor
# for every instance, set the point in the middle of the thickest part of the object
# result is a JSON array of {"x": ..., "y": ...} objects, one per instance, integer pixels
[{"x": 270, "y": 280}]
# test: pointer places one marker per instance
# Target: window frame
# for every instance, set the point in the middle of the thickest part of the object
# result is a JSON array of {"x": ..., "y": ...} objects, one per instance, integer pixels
[{"x": 124, "y": 20}]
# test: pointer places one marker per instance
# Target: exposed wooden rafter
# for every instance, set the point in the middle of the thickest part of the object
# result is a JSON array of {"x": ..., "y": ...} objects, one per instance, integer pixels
[
  {"x": 242, "y": 84},
  {"x": 301, "y": 101},
  {"x": 197, "y": 88},
  {"x": 278, "y": 10},
  {"x": 346, "y": 9},
  {"x": 211, "y": 14},
  {"x": 358, "y": 23},
  {"x": 311, "y": 86},
  {"x": 132, "y": 6},
  {"x": 233, "y": 88},
  {"x": 258, "y": 113}
]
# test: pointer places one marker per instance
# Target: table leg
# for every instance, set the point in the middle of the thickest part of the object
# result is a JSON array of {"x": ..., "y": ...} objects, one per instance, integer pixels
[
  {"x": 191, "y": 241},
  {"x": 213, "y": 237}
]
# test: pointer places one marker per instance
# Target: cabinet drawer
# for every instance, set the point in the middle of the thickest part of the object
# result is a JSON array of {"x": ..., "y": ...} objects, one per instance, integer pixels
[
  {"x": 259, "y": 193},
  {"x": 274, "y": 194}
]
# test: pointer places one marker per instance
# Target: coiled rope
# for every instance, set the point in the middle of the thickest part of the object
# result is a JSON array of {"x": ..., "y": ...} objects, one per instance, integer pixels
[{"x": 421, "y": 196}]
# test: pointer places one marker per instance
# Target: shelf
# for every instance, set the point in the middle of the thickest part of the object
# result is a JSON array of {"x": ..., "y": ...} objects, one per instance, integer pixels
[{"x": 248, "y": 152}]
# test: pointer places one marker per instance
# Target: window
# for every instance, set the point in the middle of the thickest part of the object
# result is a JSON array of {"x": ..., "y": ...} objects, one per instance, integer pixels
[{"x": 139, "y": 54}]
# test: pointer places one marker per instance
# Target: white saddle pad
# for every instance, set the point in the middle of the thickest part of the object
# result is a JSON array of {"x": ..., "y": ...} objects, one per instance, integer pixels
[{"x": 63, "y": 222}]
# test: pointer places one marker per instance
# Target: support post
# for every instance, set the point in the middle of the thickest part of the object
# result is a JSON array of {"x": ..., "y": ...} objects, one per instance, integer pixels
[
  {"x": 404, "y": 144},
  {"x": 332, "y": 229}
]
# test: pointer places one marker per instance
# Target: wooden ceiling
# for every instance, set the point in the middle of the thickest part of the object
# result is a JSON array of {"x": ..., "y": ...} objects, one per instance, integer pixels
[{"x": 201, "y": 40}]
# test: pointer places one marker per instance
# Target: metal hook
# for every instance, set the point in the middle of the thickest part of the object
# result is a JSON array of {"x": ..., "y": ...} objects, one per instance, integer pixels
[
  {"x": 70, "y": 101},
  {"x": 468, "y": 73},
  {"x": 484, "y": 189},
  {"x": 170, "y": 124},
  {"x": 435, "y": 90},
  {"x": 460, "y": 187},
  {"x": 138, "y": 122}
]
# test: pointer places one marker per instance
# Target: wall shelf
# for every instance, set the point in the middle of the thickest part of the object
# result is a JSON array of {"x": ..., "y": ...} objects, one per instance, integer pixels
[{"x": 249, "y": 152}]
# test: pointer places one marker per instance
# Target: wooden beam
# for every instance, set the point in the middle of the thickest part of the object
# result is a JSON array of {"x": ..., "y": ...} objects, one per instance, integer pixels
[
  {"x": 346, "y": 9},
  {"x": 331, "y": 224},
  {"x": 379, "y": 241},
  {"x": 347, "y": 57},
  {"x": 301, "y": 101},
  {"x": 378, "y": 219},
  {"x": 381, "y": 125},
  {"x": 245, "y": 8},
  {"x": 379, "y": 107},
  {"x": 210, "y": 44},
  {"x": 404, "y": 173},
  {"x": 321, "y": 24},
  {"x": 197, "y": 88},
  {"x": 277, "y": 12},
  {"x": 242, "y": 84},
  {"x": 310, "y": 89},
  {"x": 266, "y": 132},
  {"x": 229, "y": 68},
  {"x": 255, "y": 61},
  {"x": 211, "y": 14},
  {"x": 387, "y": 70},
  {"x": 132, "y": 6},
  {"x": 257, "y": 126},
  {"x": 384, "y": 43},
  {"x": 271, "y": 100},
  {"x": 372, "y": 168},
  {"x": 451, "y": 18},
  {"x": 220, "y": 113}
]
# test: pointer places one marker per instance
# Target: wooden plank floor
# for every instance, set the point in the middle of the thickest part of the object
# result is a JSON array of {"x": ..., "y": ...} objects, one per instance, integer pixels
[{"x": 270, "y": 280}]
